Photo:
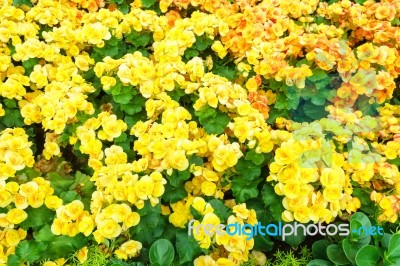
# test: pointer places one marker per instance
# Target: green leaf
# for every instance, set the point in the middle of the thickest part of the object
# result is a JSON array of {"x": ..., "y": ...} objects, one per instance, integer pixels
[
  {"x": 117, "y": 262},
  {"x": 256, "y": 158},
  {"x": 131, "y": 120},
  {"x": 303, "y": 61},
  {"x": 147, "y": 208},
  {"x": 319, "y": 262},
  {"x": 37, "y": 217},
  {"x": 244, "y": 189},
  {"x": 275, "y": 85},
  {"x": 162, "y": 252},
  {"x": 135, "y": 106},
  {"x": 357, "y": 221},
  {"x": 396, "y": 22},
  {"x": 323, "y": 84},
  {"x": 190, "y": 53},
  {"x": 30, "y": 63},
  {"x": 229, "y": 72},
  {"x": 368, "y": 256},
  {"x": 123, "y": 98},
  {"x": 10, "y": 103},
  {"x": 107, "y": 50},
  {"x": 263, "y": 243},
  {"x": 178, "y": 177},
  {"x": 196, "y": 160},
  {"x": 174, "y": 194},
  {"x": 293, "y": 103},
  {"x": 63, "y": 246},
  {"x": 69, "y": 196},
  {"x": 213, "y": 120},
  {"x": 187, "y": 247},
  {"x": 122, "y": 138},
  {"x": 140, "y": 39},
  {"x": 366, "y": 204},
  {"x": 247, "y": 169},
  {"x": 268, "y": 194},
  {"x": 116, "y": 89},
  {"x": 131, "y": 109},
  {"x": 59, "y": 183},
  {"x": 150, "y": 228},
  {"x": 393, "y": 252},
  {"x": 281, "y": 102},
  {"x": 385, "y": 240},
  {"x": 31, "y": 173},
  {"x": 148, "y": 3},
  {"x": 336, "y": 255},
  {"x": 295, "y": 240},
  {"x": 365, "y": 107},
  {"x": 124, "y": 8},
  {"x": 313, "y": 111},
  {"x": 30, "y": 250},
  {"x": 216, "y": 125},
  {"x": 319, "y": 100},
  {"x": 319, "y": 249},
  {"x": 318, "y": 74},
  {"x": 202, "y": 42},
  {"x": 12, "y": 118},
  {"x": 80, "y": 179},
  {"x": 275, "y": 113},
  {"x": 44, "y": 234},
  {"x": 350, "y": 249},
  {"x": 220, "y": 209},
  {"x": 13, "y": 260}
]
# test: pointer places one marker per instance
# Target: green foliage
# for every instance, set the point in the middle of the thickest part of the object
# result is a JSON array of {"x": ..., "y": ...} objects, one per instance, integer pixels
[
  {"x": 187, "y": 247},
  {"x": 393, "y": 253},
  {"x": 359, "y": 248},
  {"x": 220, "y": 209},
  {"x": 151, "y": 225},
  {"x": 256, "y": 158},
  {"x": 162, "y": 253},
  {"x": 174, "y": 194},
  {"x": 213, "y": 120},
  {"x": 202, "y": 43},
  {"x": 368, "y": 256},
  {"x": 288, "y": 258},
  {"x": 139, "y": 39},
  {"x": 228, "y": 71},
  {"x": 29, "y": 251},
  {"x": 179, "y": 177},
  {"x": 112, "y": 48},
  {"x": 148, "y": 3},
  {"x": 272, "y": 201},
  {"x": 63, "y": 246},
  {"x": 37, "y": 217},
  {"x": 18, "y": 3},
  {"x": 244, "y": 186},
  {"x": 367, "y": 205}
]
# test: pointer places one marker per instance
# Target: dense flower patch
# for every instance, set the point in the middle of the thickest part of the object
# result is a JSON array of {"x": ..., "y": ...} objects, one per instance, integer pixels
[{"x": 122, "y": 121}]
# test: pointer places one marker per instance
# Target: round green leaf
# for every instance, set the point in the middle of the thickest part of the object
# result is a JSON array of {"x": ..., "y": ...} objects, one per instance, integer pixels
[
  {"x": 361, "y": 218},
  {"x": 351, "y": 249},
  {"x": 393, "y": 253},
  {"x": 336, "y": 255},
  {"x": 319, "y": 262},
  {"x": 319, "y": 249},
  {"x": 162, "y": 252},
  {"x": 368, "y": 256},
  {"x": 357, "y": 221}
]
